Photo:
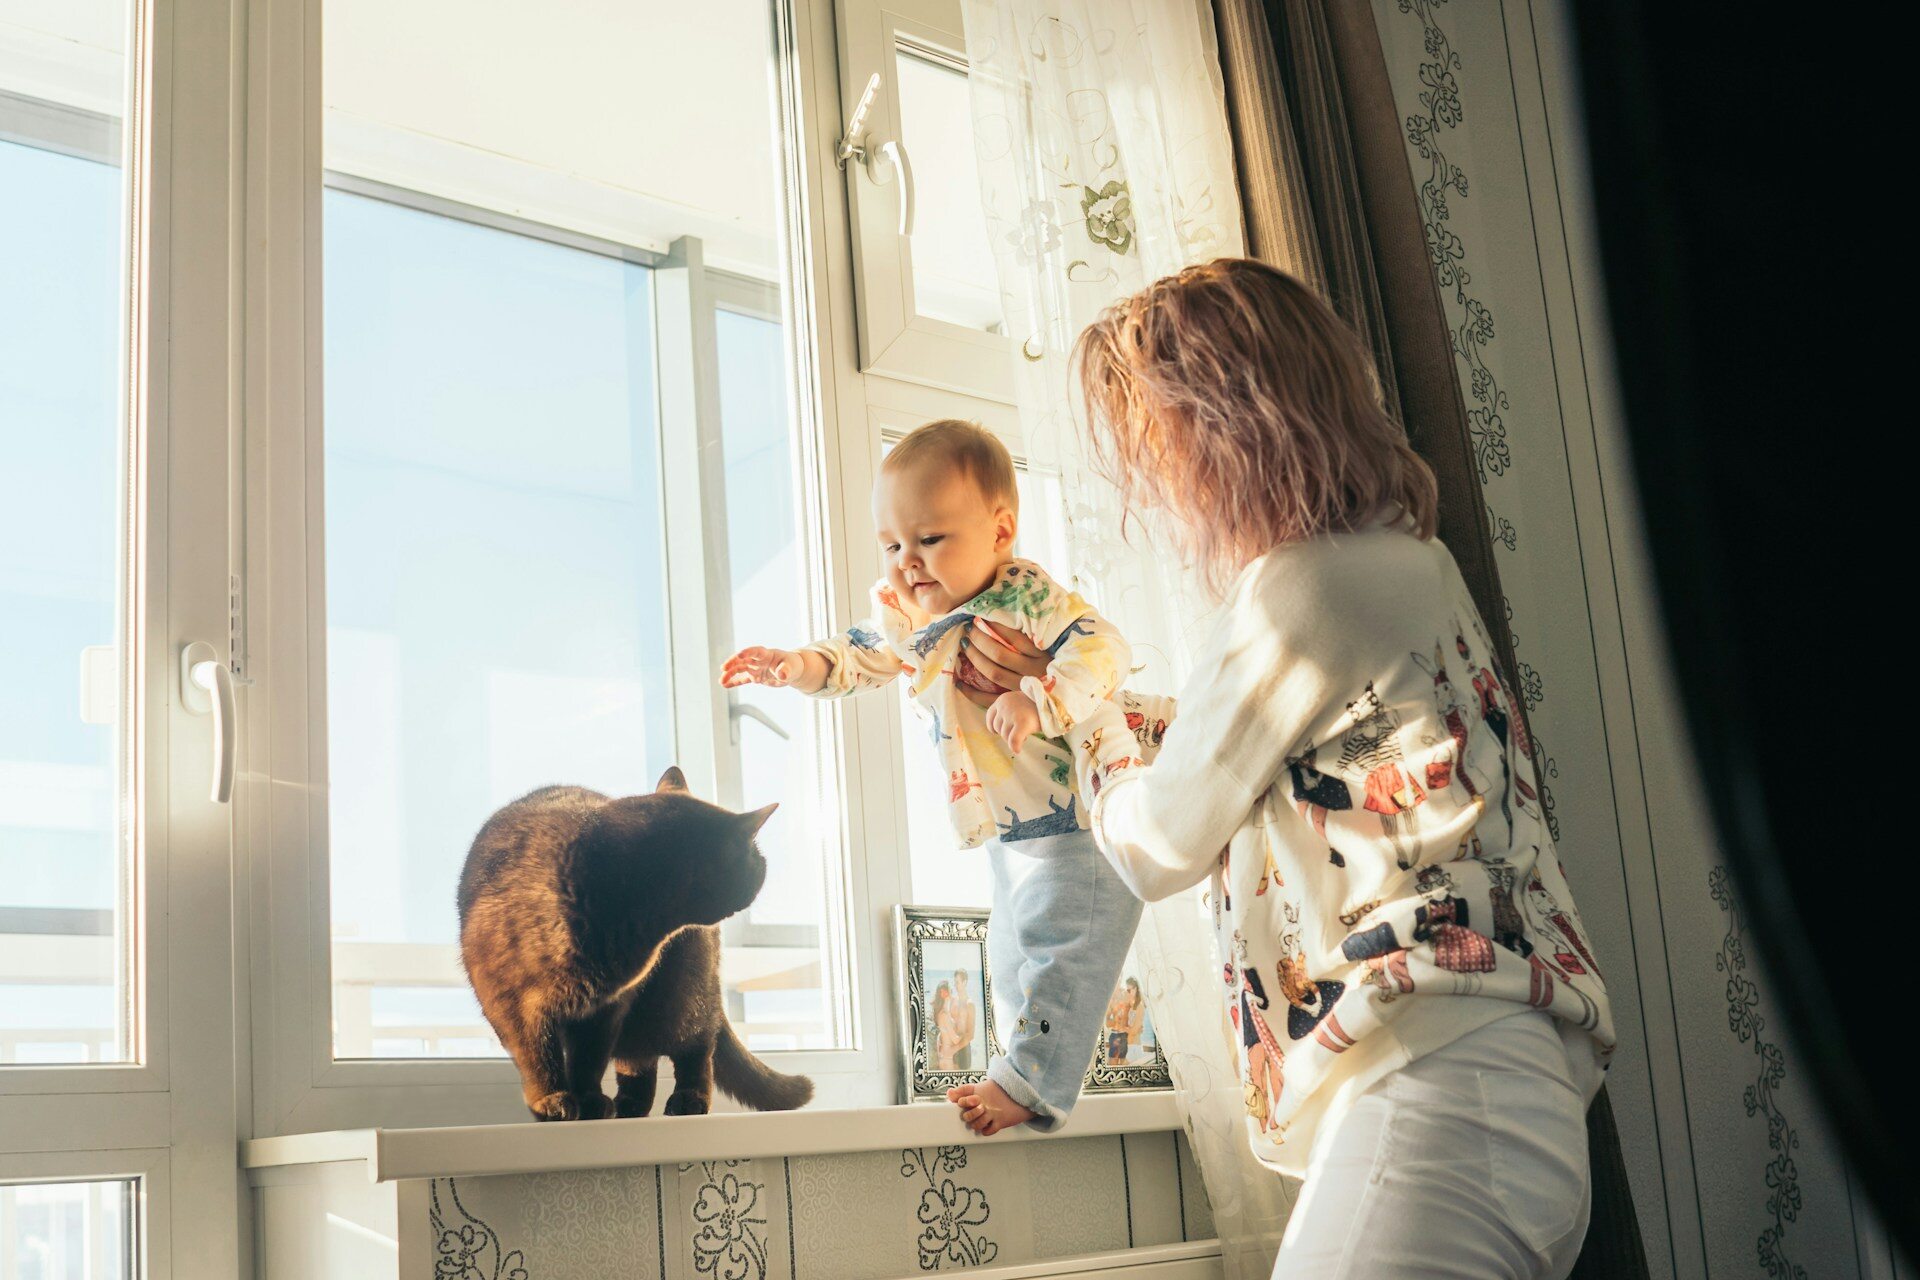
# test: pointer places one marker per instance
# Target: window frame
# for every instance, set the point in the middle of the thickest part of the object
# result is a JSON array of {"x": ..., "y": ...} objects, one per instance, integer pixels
[
  {"x": 166, "y": 1118},
  {"x": 298, "y": 1085},
  {"x": 895, "y": 340}
]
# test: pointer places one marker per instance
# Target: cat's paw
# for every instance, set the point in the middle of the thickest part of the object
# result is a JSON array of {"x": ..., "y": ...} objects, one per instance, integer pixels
[
  {"x": 556, "y": 1106},
  {"x": 685, "y": 1102},
  {"x": 595, "y": 1106},
  {"x": 628, "y": 1107}
]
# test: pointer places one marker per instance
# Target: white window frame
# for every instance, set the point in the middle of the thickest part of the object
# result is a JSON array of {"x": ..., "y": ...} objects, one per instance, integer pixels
[
  {"x": 896, "y": 341},
  {"x": 298, "y": 1085},
  {"x": 165, "y": 1119}
]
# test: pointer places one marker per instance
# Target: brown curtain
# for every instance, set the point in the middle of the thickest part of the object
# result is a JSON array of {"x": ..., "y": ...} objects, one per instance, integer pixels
[{"x": 1328, "y": 195}]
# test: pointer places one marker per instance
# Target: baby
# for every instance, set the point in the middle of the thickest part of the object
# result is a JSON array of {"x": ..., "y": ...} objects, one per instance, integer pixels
[{"x": 947, "y": 512}]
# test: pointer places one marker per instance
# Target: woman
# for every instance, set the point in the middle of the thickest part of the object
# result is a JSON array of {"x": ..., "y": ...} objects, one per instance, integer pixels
[{"x": 1349, "y": 768}]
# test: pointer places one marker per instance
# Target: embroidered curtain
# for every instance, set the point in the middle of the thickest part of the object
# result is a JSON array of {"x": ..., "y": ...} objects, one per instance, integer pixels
[{"x": 1105, "y": 163}]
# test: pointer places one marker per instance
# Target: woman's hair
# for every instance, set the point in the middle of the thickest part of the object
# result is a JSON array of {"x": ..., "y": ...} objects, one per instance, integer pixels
[
  {"x": 941, "y": 994},
  {"x": 1233, "y": 397},
  {"x": 1133, "y": 988}
]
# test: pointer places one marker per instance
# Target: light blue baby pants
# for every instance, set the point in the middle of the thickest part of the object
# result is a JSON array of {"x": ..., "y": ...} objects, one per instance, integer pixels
[{"x": 1062, "y": 922}]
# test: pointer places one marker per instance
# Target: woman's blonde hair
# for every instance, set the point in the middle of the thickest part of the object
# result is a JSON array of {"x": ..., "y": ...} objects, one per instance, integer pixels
[{"x": 1233, "y": 397}]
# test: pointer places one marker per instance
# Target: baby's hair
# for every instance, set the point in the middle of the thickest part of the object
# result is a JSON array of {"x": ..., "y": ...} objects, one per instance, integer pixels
[
  {"x": 1234, "y": 397},
  {"x": 963, "y": 446}
]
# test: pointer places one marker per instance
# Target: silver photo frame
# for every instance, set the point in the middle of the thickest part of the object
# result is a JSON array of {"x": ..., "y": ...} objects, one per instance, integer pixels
[
  {"x": 938, "y": 951},
  {"x": 1128, "y": 1058}
]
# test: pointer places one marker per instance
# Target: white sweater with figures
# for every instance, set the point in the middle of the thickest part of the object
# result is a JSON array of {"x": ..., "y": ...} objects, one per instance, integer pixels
[{"x": 1355, "y": 777}]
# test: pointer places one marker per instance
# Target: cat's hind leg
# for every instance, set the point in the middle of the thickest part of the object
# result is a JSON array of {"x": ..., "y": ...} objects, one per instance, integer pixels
[
  {"x": 692, "y": 1081},
  {"x": 636, "y": 1079}
]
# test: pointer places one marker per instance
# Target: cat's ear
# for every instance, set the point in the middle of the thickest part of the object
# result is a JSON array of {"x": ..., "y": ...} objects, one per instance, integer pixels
[
  {"x": 672, "y": 780},
  {"x": 758, "y": 818}
]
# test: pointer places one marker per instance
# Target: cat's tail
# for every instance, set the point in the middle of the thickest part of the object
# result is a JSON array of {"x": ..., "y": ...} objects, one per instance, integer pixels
[{"x": 752, "y": 1082}]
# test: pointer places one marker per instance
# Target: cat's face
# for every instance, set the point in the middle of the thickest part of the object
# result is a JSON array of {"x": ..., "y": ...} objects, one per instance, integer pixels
[{"x": 720, "y": 861}]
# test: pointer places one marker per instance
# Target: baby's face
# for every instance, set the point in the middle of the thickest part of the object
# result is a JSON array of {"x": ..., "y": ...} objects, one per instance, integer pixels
[{"x": 942, "y": 538}]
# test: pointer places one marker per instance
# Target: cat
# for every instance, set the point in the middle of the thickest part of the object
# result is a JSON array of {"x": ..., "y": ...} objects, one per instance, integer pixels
[{"x": 587, "y": 927}]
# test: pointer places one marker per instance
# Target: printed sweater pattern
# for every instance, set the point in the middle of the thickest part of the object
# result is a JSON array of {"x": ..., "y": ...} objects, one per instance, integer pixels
[{"x": 1352, "y": 772}]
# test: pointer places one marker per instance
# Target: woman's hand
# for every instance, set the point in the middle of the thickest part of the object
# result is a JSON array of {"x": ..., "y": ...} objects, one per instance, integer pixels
[{"x": 1004, "y": 657}]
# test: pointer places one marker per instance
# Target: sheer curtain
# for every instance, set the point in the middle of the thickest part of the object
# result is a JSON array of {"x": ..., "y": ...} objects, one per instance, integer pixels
[{"x": 1105, "y": 163}]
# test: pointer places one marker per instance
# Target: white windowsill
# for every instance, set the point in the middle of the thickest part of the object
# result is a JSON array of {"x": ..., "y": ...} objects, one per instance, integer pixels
[{"x": 393, "y": 1155}]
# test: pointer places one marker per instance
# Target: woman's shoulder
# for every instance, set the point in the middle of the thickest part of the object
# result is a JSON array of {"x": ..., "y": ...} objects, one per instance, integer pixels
[
  {"x": 1344, "y": 593},
  {"x": 1360, "y": 563}
]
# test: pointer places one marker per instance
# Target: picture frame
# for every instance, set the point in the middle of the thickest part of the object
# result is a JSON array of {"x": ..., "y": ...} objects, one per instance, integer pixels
[
  {"x": 948, "y": 1029},
  {"x": 1135, "y": 1062}
]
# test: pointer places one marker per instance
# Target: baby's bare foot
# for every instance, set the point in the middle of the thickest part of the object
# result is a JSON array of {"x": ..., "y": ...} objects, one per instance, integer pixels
[{"x": 986, "y": 1109}]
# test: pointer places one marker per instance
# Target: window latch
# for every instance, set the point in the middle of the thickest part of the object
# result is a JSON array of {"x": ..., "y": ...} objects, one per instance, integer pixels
[
  {"x": 881, "y": 160},
  {"x": 853, "y": 143}
]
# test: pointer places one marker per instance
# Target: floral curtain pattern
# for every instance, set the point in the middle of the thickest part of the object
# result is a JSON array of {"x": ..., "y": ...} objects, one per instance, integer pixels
[{"x": 1105, "y": 163}]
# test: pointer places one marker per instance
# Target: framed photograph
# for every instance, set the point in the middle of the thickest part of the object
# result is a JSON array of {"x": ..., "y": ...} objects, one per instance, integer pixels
[
  {"x": 1128, "y": 1058},
  {"x": 946, "y": 998}
]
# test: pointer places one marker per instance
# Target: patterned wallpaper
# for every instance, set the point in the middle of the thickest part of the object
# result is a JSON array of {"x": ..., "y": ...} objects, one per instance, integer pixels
[{"x": 872, "y": 1215}]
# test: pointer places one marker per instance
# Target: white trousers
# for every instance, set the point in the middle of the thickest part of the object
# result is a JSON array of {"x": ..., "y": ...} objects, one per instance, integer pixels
[{"x": 1470, "y": 1162}]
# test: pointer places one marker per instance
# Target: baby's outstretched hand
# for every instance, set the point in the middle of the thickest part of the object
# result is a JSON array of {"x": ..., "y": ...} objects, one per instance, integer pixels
[
  {"x": 1014, "y": 717},
  {"x": 775, "y": 668}
]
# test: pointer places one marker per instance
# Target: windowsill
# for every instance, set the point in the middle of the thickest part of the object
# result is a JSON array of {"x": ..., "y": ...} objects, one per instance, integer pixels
[{"x": 394, "y": 1155}]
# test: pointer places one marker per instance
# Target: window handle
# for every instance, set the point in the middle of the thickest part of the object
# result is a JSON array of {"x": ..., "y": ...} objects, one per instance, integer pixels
[
  {"x": 738, "y": 711},
  {"x": 895, "y": 152},
  {"x": 207, "y": 686}
]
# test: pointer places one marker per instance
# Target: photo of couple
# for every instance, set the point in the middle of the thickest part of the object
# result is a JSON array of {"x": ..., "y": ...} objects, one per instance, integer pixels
[
  {"x": 1129, "y": 1038},
  {"x": 955, "y": 1030}
]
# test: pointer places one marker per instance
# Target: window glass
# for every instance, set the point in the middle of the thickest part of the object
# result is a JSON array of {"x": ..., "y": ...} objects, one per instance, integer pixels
[
  {"x": 494, "y": 567},
  {"x": 64, "y": 990},
  {"x": 66, "y": 1231},
  {"x": 504, "y": 495},
  {"x": 774, "y": 948},
  {"x": 953, "y": 273}
]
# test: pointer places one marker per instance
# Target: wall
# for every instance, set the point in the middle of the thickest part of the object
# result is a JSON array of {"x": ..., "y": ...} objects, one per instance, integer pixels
[
  {"x": 1732, "y": 1173},
  {"x": 865, "y": 1216}
]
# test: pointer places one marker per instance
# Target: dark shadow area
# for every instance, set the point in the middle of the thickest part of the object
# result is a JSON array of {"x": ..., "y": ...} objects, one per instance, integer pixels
[{"x": 1755, "y": 261}]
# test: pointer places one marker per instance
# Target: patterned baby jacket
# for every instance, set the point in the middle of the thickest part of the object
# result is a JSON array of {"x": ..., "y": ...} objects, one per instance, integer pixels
[{"x": 991, "y": 793}]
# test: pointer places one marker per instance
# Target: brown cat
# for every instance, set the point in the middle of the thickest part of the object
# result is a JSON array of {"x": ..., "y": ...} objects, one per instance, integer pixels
[{"x": 586, "y": 926}]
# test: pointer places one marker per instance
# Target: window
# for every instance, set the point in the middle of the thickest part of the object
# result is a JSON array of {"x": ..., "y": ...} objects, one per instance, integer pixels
[
  {"x": 562, "y": 477},
  {"x": 117, "y": 1046},
  {"x": 929, "y": 300},
  {"x": 467, "y": 441},
  {"x": 64, "y": 991},
  {"x": 66, "y": 1231},
  {"x": 953, "y": 273},
  {"x": 784, "y": 977},
  {"x": 495, "y": 567}
]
